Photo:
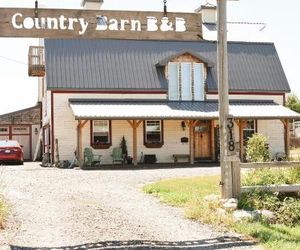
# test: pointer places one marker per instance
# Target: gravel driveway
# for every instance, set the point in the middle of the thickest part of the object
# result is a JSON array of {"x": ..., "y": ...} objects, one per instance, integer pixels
[{"x": 100, "y": 209}]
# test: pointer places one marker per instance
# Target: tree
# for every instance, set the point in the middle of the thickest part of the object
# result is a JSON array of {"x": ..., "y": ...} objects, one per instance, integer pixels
[
  {"x": 123, "y": 146},
  {"x": 293, "y": 103}
]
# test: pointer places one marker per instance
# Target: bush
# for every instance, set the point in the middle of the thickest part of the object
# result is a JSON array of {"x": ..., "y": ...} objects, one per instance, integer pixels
[
  {"x": 286, "y": 209},
  {"x": 257, "y": 149}
]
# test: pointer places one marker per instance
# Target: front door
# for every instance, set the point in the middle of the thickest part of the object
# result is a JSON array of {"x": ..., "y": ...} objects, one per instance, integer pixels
[{"x": 203, "y": 140}]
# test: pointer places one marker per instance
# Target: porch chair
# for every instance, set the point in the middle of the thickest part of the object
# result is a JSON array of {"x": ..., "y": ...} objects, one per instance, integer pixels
[
  {"x": 90, "y": 159},
  {"x": 117, "y": 155}
]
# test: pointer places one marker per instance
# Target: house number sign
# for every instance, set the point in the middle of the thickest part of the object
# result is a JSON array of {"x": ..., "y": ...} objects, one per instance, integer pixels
[
  {"x": 230, "y": 136},
  {"x": 55, "y": 23}
]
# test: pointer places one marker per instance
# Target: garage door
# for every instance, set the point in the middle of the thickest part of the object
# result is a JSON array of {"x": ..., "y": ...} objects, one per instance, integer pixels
[
  {"x": 4, "y": 133},
  {"x": 22, "y": 135}
]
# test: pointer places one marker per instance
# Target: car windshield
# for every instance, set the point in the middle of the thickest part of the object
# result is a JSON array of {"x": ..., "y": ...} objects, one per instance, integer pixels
[{"x": 9, "y": 144}]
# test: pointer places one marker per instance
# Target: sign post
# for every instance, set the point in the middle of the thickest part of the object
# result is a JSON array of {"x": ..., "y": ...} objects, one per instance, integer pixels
[{"x": 227, "y": 145}]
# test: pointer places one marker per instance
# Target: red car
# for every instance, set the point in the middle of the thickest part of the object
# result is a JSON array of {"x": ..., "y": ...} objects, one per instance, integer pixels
[{"x": 11, "y": 151}]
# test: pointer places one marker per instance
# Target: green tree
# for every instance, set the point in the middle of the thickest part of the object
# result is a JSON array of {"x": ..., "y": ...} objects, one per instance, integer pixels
[
  {"x": 293, "y": 103},
  {"x": 257, "y": 149}
]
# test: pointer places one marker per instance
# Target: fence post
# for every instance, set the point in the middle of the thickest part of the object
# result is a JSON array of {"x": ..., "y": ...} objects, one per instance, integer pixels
[{"x": 236, "y": 178}]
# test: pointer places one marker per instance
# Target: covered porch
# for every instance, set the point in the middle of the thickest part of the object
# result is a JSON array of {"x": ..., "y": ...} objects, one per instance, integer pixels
[{"x": 189, "y": 130}]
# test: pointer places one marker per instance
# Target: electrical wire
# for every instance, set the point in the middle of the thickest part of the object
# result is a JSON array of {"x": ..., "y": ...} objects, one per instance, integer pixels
[{"x": 13, "y": 60}]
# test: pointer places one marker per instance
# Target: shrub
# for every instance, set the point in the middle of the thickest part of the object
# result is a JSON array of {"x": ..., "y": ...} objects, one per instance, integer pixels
[
  {"x": 286, "y": 209},
  {"x": 257, "y": 149}
]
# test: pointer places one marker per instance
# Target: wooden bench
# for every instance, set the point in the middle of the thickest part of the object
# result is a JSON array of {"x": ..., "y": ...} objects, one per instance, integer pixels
[{"x": 181, "y": 156}]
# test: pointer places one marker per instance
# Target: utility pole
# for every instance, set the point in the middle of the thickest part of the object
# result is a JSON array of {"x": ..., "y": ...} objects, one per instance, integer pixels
[{"x": 226, "y": 174}]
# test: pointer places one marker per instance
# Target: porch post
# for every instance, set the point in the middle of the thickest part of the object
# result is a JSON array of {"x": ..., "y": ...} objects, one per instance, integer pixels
[
  {"x": 286, "y": 136},
  {"x": 241, "y": 124},
  {"x": 192, "y": 140},
  {"x": 212, "y": 133},
  {"x": 134, "y": 124},
  {"x": 81, "y": 124}
]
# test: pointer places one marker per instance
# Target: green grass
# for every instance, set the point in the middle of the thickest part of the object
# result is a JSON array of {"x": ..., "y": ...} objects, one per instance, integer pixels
[
  {"x": 189, "y": 192},
  {"x": 180, "y": 192}
]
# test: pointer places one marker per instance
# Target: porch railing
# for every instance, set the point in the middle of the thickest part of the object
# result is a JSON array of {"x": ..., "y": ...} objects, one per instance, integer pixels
[{"x": 36, "y": 61}]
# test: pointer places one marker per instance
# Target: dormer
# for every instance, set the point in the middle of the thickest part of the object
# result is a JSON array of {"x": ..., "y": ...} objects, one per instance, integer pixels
[{"x": 186, "y": 73}]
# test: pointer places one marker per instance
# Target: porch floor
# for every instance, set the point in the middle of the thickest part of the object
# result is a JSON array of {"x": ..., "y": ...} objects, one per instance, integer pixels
[{"x": 152, "y": 166}]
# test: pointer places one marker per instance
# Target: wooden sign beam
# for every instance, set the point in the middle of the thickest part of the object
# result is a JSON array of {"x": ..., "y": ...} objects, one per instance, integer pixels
[{"x": 99, "y": 24}]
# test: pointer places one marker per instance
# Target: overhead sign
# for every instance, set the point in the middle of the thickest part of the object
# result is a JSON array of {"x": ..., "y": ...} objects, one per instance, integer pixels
[{"x": 99, "y": 24}]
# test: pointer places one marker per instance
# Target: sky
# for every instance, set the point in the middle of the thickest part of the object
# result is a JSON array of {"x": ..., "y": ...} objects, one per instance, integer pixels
[{"x": 18, "y": 91}]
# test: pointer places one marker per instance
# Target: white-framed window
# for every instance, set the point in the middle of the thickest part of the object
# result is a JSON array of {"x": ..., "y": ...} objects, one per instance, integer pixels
[
  {"x": 101, "y": 132},
  {"x": 153, "y": 132},
  {"x": 186, "y": 81},
  {"x": 249, "y": 130},
  {"x": 4, "y": 130}
]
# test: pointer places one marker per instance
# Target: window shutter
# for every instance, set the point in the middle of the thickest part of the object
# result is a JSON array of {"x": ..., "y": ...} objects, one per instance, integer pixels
[
  {"x": 199, "y": 81},
  {"x": 186, "y": 82},
  {"x": 173, "y": 81}
]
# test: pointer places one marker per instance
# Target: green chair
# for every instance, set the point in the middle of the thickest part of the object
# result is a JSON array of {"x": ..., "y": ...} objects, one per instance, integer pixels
[
  {"x": 90, "y": 159},
  {"x": 117, "y": 155}
]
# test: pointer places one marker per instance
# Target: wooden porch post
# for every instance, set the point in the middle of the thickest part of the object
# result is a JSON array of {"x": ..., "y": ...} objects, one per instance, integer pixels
[
  {"x": 81, "y": 124},
  {"x": 192, "y": 124},
  {"x": 241, "y": 124},
  {"x": 286, "y": 136},
  {"x": 212, "y": 133},
  {"x": 134, "y": 124}
]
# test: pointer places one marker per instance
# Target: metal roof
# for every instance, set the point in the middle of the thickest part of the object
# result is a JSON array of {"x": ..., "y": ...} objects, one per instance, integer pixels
[
  {"x": 135, "y": 109},
  {"x": 131, "y": 65}
]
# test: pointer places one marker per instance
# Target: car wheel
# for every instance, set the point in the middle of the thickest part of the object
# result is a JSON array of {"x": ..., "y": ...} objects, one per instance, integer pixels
[{"x": 21, "y": 163}]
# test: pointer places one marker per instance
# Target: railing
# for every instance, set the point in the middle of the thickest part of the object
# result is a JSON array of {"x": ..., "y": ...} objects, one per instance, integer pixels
[
  {"x": 236, "y": 176},
  {"x": 36, "y": 61}
]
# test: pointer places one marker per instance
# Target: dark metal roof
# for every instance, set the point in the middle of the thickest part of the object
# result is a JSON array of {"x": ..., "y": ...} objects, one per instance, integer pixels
[{"x": 131, "y": 65}]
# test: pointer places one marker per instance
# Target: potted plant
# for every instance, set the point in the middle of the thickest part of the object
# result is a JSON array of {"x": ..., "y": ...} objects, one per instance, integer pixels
[
  {"x": 129, "y": 159},
  {"x": 123, "y": 146}
]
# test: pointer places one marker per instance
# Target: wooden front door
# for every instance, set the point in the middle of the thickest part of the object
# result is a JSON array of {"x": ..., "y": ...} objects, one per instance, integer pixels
[{"x": 203, "y": 140}]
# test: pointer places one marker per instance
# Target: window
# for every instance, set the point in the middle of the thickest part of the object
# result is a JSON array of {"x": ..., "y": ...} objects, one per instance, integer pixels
[
  {"x": 101, "y": 134},
  {"x": 186, "y": 81},
  {"x": 153, "y": 133},
  {"x": 4, "y": 130},
  {"x": 249, "y": 130}
]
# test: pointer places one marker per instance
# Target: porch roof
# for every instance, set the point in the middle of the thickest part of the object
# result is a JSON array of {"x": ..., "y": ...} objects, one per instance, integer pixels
[{"x": 89, "y": 109}]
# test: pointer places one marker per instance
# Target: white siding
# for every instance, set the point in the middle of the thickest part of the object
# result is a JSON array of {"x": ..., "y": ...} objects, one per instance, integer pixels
[{"x": 274, "y": 131}]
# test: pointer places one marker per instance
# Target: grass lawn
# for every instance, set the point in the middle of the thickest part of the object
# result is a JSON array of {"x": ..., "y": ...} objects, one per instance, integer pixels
[{"x": 189, "y": 192}]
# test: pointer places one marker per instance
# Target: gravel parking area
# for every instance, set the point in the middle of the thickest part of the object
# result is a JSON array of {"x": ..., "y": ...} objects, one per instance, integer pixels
[{"x": 103, "y": 209}]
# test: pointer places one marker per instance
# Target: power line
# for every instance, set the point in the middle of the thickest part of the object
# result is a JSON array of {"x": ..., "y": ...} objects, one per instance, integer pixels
[{"x": 13, "y": 60}]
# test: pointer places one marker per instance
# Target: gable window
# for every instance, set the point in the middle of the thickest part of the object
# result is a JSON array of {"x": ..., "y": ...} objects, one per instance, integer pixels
[
  {"x": 101, "y": 133},
  {"x": 153, "y": 133},
  {"x": 186, "y": 81}
]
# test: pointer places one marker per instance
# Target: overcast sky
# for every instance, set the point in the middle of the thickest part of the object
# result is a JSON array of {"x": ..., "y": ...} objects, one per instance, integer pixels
[{"x": 19, "y": 91}]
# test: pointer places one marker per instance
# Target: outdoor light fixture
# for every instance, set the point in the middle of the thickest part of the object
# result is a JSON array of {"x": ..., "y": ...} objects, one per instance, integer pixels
[
  {"x": 36, "y": 131},
  {"x": 36, "y": 9},
  {"x": 165, "y": 8},
  {"x": 183, "y": 125}
]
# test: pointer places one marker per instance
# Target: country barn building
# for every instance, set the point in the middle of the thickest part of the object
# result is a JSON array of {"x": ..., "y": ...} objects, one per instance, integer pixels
[{"x": 162, "y": 96}]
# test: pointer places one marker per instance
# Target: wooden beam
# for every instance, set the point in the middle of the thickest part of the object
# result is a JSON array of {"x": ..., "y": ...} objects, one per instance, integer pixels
[
  {"x": 134, "y": 124},
  {"x": 99, "y": 24},
  {"x": 236, "y": 178},
  {"x": 212, "y": 132},
  {"x": 241, "y": 138},
  {"x": 273, "y": 188},
  {"x": 79, "y": 142},
  {"x": 192, "y": 141},
  {"x": 275, "y": 164}
]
